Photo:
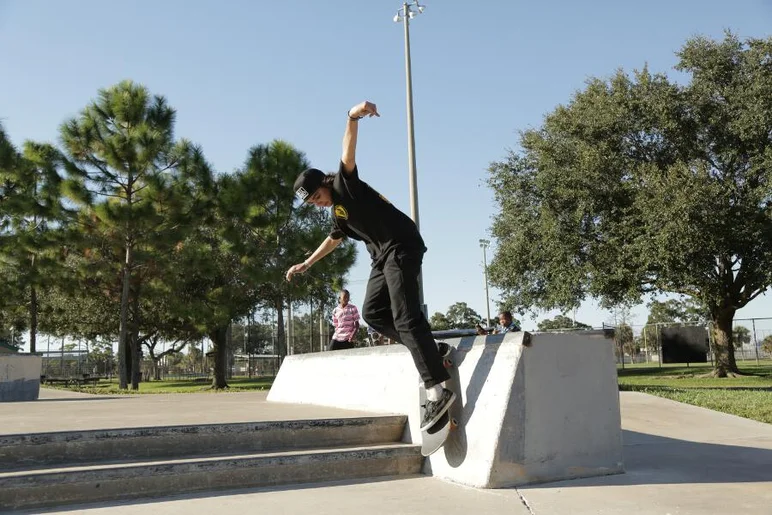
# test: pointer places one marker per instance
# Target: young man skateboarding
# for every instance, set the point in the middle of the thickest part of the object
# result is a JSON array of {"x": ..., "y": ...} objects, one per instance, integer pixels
[{"x": 391, "y": 304}]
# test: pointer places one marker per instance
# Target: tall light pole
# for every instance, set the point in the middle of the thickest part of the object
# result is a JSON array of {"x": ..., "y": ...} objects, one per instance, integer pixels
[
  {"x": 408, "y": 11},
  {"x": 485, "y": 244}
]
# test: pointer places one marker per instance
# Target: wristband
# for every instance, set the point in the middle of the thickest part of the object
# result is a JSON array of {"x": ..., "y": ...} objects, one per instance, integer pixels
[{"x": 353, "y": 119}]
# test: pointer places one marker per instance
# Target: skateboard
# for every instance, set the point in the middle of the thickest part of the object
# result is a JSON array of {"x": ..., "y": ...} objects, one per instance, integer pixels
[{"x": 434, "y": 437}]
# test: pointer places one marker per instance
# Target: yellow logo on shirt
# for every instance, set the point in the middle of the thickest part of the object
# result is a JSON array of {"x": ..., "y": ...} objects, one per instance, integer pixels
[{"x": 340, "y": 212}]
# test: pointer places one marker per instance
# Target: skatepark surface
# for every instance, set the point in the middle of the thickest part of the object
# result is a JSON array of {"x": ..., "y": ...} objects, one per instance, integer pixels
[{"x": 679, "y": 459}]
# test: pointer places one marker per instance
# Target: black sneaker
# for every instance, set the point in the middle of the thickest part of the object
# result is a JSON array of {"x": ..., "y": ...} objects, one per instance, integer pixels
[
  {"x": 435, "y": 409},
  {"x": 444, "y": 349}
]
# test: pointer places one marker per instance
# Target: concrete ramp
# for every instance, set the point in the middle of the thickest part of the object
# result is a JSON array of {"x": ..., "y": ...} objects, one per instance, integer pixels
[{"x": 533, "y": 408}]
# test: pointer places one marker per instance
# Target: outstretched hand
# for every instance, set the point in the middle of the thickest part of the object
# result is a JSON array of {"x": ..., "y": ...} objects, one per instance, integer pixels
[
  {"x": 363, "y": 109},
  {"x": 296, "y": 269}
]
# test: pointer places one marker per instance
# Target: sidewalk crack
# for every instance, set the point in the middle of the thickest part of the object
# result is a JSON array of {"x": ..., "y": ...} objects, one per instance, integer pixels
[{"x": 525, "y": 502}]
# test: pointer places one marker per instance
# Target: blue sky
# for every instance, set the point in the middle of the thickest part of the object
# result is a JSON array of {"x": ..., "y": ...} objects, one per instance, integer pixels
[{"x": 241, "y": 73}]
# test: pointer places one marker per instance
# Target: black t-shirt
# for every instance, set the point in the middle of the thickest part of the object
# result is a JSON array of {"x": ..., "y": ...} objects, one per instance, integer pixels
[{"x": 363, "y": 214}]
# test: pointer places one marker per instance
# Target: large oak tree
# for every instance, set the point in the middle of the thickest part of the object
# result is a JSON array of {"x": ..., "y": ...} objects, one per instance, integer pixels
[{"x": 642, "y": 185}]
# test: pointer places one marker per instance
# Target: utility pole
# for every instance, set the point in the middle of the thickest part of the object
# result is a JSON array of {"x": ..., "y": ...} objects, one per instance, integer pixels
[
  {"x": 485, "y": 244},
  {"x": 407, "y": 12}
]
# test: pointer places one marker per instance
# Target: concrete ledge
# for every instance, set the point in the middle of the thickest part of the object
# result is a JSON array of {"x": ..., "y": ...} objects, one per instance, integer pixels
[
  {"x": 20, "y": 377},
  {"x": 527, "y": 414}
]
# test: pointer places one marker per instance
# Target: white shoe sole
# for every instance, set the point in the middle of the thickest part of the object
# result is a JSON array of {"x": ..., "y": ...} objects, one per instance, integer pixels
[{"x": 441, "y": 413}]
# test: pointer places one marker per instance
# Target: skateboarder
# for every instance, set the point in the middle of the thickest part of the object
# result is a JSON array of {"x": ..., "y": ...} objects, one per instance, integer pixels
[
  {"x": 391, "y": 304},
  {"x": 345, "y": 319}
]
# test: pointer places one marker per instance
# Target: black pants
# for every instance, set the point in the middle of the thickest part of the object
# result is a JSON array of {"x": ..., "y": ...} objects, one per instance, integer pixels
[
  {"x": 339, "y": 345},
  {"x": 392, "y": 308}
]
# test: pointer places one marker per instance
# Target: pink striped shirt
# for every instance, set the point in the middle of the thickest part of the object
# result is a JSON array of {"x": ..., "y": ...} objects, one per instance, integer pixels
[{"x": 344, "y": 319}]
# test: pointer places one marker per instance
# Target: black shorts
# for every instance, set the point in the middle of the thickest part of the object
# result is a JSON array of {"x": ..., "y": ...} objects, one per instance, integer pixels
[{"x": 340, "y": 345}]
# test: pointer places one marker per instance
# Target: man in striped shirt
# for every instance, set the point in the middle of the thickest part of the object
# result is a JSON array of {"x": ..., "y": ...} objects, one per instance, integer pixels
[{"x": 345, "y": 319}]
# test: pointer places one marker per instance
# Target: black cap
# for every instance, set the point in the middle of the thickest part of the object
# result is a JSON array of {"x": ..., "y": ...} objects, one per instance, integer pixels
[{"x": 307, "y": 183}]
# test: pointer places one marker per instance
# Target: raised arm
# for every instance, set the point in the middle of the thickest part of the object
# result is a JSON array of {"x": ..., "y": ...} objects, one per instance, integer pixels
[{"x": 356, "y": 113}]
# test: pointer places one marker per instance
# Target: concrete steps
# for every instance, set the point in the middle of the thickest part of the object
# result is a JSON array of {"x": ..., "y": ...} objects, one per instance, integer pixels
[{"x": 49, "y": 469}]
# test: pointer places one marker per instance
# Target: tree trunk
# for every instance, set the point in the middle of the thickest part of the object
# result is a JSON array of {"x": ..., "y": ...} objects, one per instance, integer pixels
[
  {"x": 248, "y": 343},
  {"x": 156, "y": 367},
  {"x": 723, "y": 349},
  {"x": 229, "y": 360},
  {"x": 123, "y": 335},
  {"x": 126, "y": 365},
  {"x": 33, "y": 305},
  {"x": 136, "y": 362},
  {"x": 220, "y": 338},
  {"x": 281, "y": 340},
  {"x": 136, "y": 344},
  {"x": 154, "y": 360},
  {"x": 33, "y": 317}
]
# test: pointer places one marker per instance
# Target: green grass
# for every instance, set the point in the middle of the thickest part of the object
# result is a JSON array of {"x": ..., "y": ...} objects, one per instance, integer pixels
[
  {"x": 748, "y": 396},
  {"x": 237, "y": 384}
]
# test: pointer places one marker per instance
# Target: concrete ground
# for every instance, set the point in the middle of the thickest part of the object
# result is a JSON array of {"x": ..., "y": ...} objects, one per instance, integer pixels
[
  {"x": 679, "y": 459},
  {"x": 62, "y": 410}
]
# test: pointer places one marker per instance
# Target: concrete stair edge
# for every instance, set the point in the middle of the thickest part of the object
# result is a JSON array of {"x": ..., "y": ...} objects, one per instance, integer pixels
[
  {"x": 127, "y": 480},
  {"x": 19, "y": 451}
]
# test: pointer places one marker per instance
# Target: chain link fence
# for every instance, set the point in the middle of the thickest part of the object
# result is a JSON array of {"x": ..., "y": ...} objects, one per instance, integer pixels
[
  {"x": 65, "y": 359},
  {"x": 752, "y": 338},
  {"x": 640, "y": 344},
  {"x": 253, "y": 346},
  {"x": 254, "y": 350}
]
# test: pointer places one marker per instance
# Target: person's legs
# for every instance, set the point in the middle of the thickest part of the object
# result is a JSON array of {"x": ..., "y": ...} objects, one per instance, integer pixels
[
  {"x": 400, "y": 272},
  {"x": 391, "y": 307},
  {"x": 339, "y": 345},
  {"x": 376, "y": 306}
]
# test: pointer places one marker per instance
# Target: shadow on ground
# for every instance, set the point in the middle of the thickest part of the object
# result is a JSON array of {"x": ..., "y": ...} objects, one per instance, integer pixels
[{"x": 657, "y": 460}]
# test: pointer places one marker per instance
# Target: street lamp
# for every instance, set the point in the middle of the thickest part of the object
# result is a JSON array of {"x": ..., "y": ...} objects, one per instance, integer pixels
[
  {"x": 485, "y": 244},
  {"x": 408, "y": 11}
]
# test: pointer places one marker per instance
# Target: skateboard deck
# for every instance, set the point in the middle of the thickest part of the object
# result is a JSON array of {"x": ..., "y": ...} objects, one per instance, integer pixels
[
  {"x": 434, "y": 437},
  {"x": 449, "y": 433}
]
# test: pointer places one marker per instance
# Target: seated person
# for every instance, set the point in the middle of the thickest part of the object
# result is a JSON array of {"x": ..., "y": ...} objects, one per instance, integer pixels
[{"x": 507, "y": 324}]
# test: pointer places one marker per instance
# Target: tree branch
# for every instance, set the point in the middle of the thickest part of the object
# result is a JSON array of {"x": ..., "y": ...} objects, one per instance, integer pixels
[
  {"x": 103, "y": 194},
  {"x": 174, "y": 349},
  {"x": 100, "y": 166},
  {"x": 169, "y": 166}
]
